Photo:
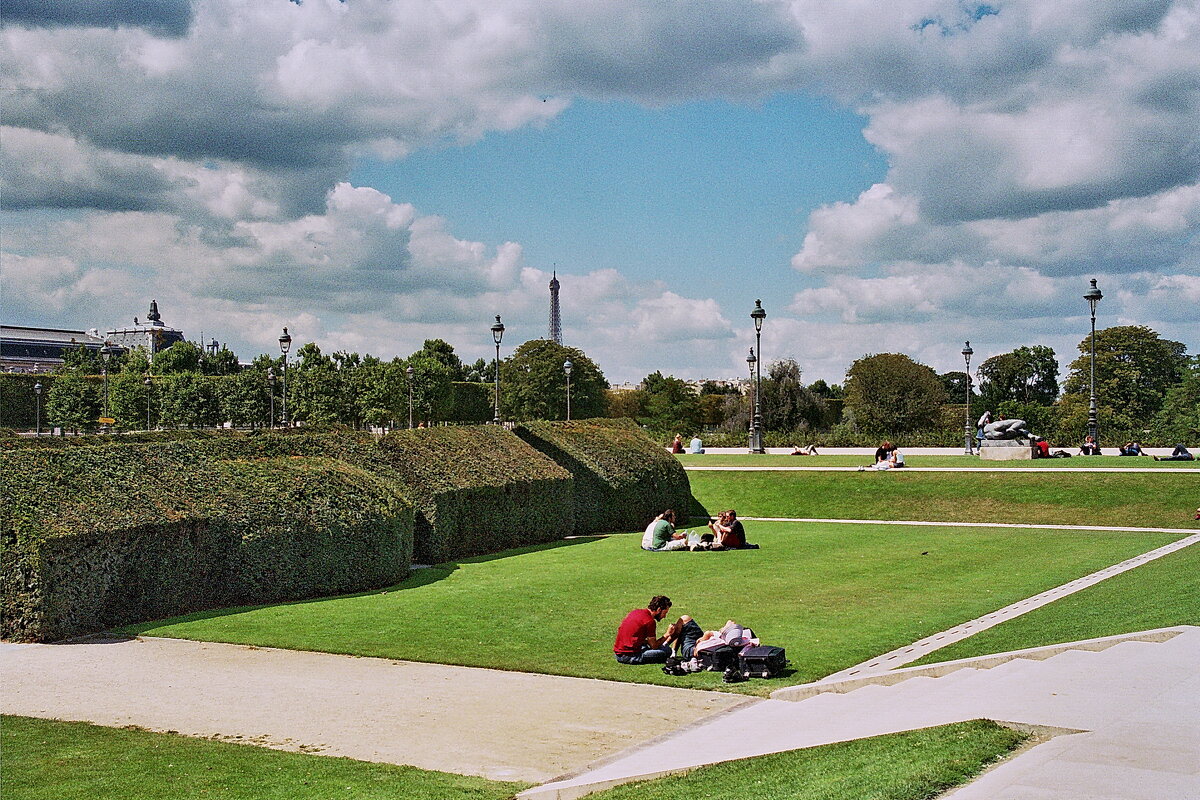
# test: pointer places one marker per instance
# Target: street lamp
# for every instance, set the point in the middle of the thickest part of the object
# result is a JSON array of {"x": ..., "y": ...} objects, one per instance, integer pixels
[
  {"x": 758, "y": 315},
  {"x": 37, "y": 399},
  {"x": 106, "y": 352},
  {"x": 1093, "y": 296},
  {"x": 409, "y": 373},
  {"x": 285, "y": 344},
  {"x": 752, "y": 362},
  {"x": 497, "y": 335},
  {"x": 967, "y": 352},
  {"x": 567, "y": 369},
  {"x": 148, "y": 384},
  {"x": 271, "y": 390}
]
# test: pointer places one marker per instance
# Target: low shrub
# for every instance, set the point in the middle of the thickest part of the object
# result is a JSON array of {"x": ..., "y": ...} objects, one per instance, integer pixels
[
  {"x": 623, "y": 478},
  {"x": 101, "y": 536}
]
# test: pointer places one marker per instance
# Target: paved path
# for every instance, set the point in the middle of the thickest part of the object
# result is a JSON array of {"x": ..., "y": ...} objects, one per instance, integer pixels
[
  {"x": 1192, "y": 470},
  {"x": 1136, "y": 705},
  {"x": 1049, "y": 527},
  {"x": 501, "y": 725}
]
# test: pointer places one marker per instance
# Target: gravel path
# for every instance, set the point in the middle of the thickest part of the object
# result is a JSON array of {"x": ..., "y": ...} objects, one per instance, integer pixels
[{"x": 500, "y": 725}]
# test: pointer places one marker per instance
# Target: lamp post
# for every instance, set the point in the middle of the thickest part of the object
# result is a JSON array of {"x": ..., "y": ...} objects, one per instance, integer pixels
[
  {"x": 271, "y": 391},
  {"x": 409, "y": 373},
  {"x": 967, "y": 352},
  {"x": 285, "y": 344},
  {"x": 758, "y": 315},
  {"x": 37, "y": 400},
  {"x": 149, "y": 385},
  {"x": 1093, "y": 296},
  {"x": 106, "y": 352},
  {"x": 567, "y": 366},
  {"x": 752, "y": 362},
  {"x": 497, "y": 335}
]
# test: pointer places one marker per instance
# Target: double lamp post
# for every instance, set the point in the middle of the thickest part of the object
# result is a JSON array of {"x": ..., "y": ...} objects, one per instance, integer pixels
[{"x": 755, "y": 363}]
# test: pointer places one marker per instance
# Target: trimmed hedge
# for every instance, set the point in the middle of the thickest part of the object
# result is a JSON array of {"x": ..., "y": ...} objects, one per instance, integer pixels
[
  {"x": 623, "y": 478},
  {"x": 94, "y": 537}
]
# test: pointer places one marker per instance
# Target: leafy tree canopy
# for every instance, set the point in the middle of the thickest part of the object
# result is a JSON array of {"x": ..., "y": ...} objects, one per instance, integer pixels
[
  {"x": 1026, "y": 375},
  {"x": 534, "y": 384},
  {"x": 1135, "y": 368},
  {"x": 889, "y": 393},
  {"x": 787, "y": 404},
  {"x": 670, "y": 404}
]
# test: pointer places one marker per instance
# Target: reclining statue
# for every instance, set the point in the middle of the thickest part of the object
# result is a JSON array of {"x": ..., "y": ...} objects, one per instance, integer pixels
[{"x": 1007, "y": 429}]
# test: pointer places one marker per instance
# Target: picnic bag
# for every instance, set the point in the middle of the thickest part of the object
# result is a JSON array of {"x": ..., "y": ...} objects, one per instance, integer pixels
[
  {"x": 762, "y": 662},
  {"x": 717, "y": 659}
]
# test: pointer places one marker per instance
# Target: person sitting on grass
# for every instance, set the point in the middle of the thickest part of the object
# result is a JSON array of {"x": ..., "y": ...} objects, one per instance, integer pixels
[
  {"x": 730, "y": 533},
  {"x": 1042, "y": 447},
  {"x": 811, "y": 450},
  {"x": 697, "y": 447},
  {"x": 661, "y": 536},
  {"x": 677, "y": 444},
  {"x": 883, "y": 452},
  {"x": 1089, "y": 448},
  {"x": 637, "y": 641},
  {"x": 1131, "y": 449},
  {"x": 1180, "y": 453}
]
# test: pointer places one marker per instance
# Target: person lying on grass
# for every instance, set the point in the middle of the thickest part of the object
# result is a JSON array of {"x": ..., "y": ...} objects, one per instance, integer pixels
[
  {"x": 637, "y": 640},
  {"x": 661, "y": 535}
]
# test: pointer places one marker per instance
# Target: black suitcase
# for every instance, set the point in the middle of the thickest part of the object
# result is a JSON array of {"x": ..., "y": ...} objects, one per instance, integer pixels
[
  {"x": 762, "y": 662},
  {"x": 717, "y": 659}
]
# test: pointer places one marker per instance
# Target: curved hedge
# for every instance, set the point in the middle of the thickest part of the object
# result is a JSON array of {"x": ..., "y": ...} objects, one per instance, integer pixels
[
  {"x": 94, "y": 537},
  {"x": 623, "y": 478}
]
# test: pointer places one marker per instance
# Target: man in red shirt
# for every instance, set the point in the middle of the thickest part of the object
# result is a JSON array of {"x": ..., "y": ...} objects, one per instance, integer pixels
[{"x": 637, "y": 642}]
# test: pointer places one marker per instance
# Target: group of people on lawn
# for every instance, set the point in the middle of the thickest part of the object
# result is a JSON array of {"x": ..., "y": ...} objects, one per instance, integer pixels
[
  {"x": 638, "y": 641},
  {"x": 726, "y": 533}
]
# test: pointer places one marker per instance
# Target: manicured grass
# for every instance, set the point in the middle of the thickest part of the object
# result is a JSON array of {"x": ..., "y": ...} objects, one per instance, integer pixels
[
  {"x": 51, "y": 760},
  {"x": 961, "y": 462},
  {"x": 1135, "y": 499},
  {"x": 915, "y": 765},
  {"x": 1162, "y": 593},
  {"x": 832, "y": 594}
]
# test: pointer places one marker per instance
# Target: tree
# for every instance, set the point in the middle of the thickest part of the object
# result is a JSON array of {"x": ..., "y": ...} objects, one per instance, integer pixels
[
  {"x": 221, "y": 362},
  {"x": 72, "y": 403},
  {"x": 443, "y": 352},
  {"x": 178, "y": 358},
  {"x": 787, "y": 404},
  {"x": 670, "y": 404},
  {"x": 890, "y": 393},
  {"x": 1026, "y": 375},
  {"x": 825, "y": 391},
  {"x": 432, "y": 387},
  {"x": 1135, "y": 368},
  {"x": 1179, "y": 418},
  {"x": 81, "y": 360},
  {"x": 127, "y": 400},
  {"x": 188, "y": 400},
  {"x": 244, "y": 399},
  {"x": 629, "y": 403},
  {"x": 955, "y": 385},
  {"x": 534, "y": 384},
  {"x": 315, "y": 392}
]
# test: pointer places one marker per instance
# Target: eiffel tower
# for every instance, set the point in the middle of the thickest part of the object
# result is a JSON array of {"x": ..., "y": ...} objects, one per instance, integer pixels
[{"x": 555, "y": 319}]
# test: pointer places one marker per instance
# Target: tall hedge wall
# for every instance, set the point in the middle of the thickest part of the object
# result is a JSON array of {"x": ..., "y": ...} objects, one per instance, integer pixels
[
  {"x": 623, "y": 478},
  {"x": 92, "y": 537}
]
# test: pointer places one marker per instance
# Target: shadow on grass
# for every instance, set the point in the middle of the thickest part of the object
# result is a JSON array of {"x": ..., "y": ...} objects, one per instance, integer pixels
[{"x": 422, "y": 576}]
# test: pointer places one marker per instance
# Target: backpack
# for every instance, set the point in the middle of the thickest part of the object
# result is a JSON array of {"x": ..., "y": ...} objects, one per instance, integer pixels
[{"x": 674, "y": 667}]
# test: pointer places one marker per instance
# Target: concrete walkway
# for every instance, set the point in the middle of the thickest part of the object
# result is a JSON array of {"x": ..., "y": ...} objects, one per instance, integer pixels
[
  {"x": 749, "y": 468},
  {"x": 501, "y": 725},
  {"x": 1136, "y": 706}
]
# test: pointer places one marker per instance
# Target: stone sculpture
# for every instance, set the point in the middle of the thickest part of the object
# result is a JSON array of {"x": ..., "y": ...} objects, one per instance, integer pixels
[{"x": 1006, "y": 429}]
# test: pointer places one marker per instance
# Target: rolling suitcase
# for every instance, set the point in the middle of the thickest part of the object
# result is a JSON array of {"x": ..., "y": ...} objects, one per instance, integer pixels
[{"x": 762, "y": 662}]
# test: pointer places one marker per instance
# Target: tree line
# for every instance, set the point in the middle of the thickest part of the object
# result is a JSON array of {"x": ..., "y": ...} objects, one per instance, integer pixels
[{"x": 1147, "y": 387}]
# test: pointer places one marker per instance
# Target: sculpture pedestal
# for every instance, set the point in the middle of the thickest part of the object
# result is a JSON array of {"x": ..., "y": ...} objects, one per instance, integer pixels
[{"x": 1006, "y": 450}]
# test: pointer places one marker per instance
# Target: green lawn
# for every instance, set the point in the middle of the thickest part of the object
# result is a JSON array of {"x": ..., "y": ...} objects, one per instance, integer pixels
[
  {"x": 50, "y": 760},
  {"x": 962, "y": 462},
  {"x": 1133, "y": 499},
  {"x": 1162, "y": 593},
  {"x": 915, "y": 765},
  {"x": 833, "y": 595}
]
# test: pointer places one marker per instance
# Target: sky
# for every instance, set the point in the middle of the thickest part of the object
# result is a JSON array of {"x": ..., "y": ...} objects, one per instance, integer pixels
[{"x": 896, "y": 177}]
